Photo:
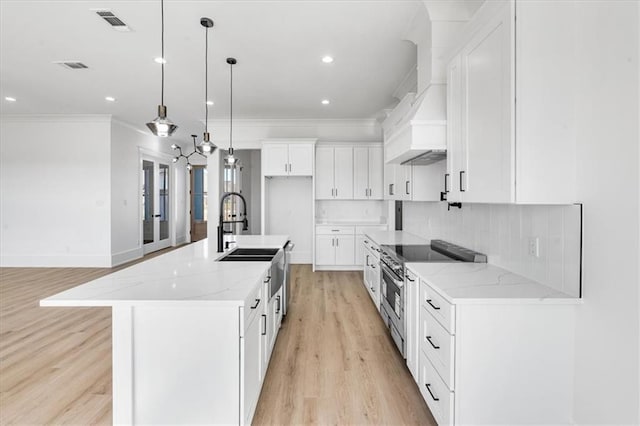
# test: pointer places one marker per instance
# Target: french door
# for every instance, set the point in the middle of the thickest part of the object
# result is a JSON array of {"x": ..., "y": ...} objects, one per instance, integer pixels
[{"x": 156, "y": 203}]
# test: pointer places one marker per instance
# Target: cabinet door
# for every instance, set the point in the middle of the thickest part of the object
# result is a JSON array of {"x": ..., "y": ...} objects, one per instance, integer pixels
[
  {"x": 486, "y": 175},
  {"x": 301, "y": 159},
  {"x": 412, "y": 321},
  {"x": 265, "y": 352},
  {"x": 252, "y": 374},
  {"x": 403, "y": 182},
  {"x": 325, "y": 250},
  {"x": 324, "y": 173},
  {"x": 275, "y": 159},
  {"x": 360, "y": 250},
  {"x": 343, "y": 173},
  {"x": 360, "y": 173},
  {"x": 454, "y": 130},
  {"x": 427, "y": 181},
  {"x": 376, "y": 172},
  {"x": 390, "y": 181},
  {"x": 345, "y": 250}
]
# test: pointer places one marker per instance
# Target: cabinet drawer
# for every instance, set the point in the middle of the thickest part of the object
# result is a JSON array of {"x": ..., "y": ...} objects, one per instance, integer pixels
[
  {"x": 438, "y": 345},
  {"x": 437, "y": 306},
  {"x": 334, "y": 230},
  {"x": 373, "y": 247},
  {"x": 435, "y": 392},
  {"x": 255, "y": 303}
]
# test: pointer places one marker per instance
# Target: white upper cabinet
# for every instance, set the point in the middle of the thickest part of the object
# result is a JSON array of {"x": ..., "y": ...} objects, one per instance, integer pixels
[
  {"x": 334, "y": 173},
  {"x": 368, "y": 173},
  {"x": 291, "y": 158},
  {"x": 414, "y": 182},
  {"x": 501, "y": 150}
]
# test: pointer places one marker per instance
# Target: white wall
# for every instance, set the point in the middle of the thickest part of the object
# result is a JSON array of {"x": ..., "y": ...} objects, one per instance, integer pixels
[
  {"x": 126, "y": 145},
  {"x": 608, "y": 332},
  {"x": 55, "y": 191}
]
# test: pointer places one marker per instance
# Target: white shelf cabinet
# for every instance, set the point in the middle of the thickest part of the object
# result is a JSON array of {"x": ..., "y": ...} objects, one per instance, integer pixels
[
  {"x": 334, "y": 173},
  {"x": 368, "y": 170},
  {"x": 500, "y": 150},
  {"x": 287, "y": 158}
]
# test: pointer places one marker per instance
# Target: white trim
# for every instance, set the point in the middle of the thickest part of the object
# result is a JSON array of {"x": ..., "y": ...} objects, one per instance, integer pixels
[
  {"x": 55, "y": 261},
  {"x": 292, "y": 122},
  {"x": 126, "y": 256}
]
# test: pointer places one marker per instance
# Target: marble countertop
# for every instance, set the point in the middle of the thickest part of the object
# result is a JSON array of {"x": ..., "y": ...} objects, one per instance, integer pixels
[
  {"x": 188, "y": 274},
  {"x": 482, "y": 283},
  {"x": 395, "y": 237}
]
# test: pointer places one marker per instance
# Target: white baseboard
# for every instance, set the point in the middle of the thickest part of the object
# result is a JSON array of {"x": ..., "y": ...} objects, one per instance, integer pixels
[
  {"x": 126, "y": 256},
  {"x": 338, "y": 268},
  {"x": 58, "y": 261}
]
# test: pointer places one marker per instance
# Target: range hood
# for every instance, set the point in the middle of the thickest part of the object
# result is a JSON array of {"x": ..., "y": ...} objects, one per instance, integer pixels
[
  {"x": 429, "y": 157},
  {"x": 417, "y": 127}
]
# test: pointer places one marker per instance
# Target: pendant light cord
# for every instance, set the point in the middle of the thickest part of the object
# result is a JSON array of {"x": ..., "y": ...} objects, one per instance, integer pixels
[
  {"x": 206, "y": 81},
  {"x": 231, "y": 110},
  {"x": 162, "y": 50}
]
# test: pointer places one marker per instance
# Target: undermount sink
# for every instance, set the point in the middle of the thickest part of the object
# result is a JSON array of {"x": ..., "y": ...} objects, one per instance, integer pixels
[
  {"x": 254, "y": 252},
  {"x": 232, "y": 258},
  {"x": 250, "y": 255}
]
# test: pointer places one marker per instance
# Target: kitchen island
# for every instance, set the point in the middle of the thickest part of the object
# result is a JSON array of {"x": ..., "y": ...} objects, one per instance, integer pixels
[{"x": 192, "y": 337}]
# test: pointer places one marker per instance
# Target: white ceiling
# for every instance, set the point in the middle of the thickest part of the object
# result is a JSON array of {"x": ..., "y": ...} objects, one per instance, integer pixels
[{"x": 278, "y": 45}]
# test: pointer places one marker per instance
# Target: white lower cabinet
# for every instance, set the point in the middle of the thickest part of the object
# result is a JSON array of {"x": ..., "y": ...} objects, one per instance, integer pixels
[
  {"x": 488, "y": 362},
  {"x": 342, "y": 246},
  {"x": 371, "y": 271},
  {"x": 252, "y": 367}
]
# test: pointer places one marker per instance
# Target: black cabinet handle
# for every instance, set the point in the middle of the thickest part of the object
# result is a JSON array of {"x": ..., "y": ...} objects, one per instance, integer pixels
[
  {"x": 432, "y": 344},
  {"x": 446, "y": 186},
  {"x": 156, "y": 215},
  {"x": 461, "y": 190},
  {"x": 406, "y": 187},
  {"x": 264, "y": 325},
  {"x": 278, "y": 305},
  {"x": 256, "y": 305},
  {"x": 391, "y": 189},
  {"x": 437, "y": 308},
  {"x": 409, "y": 278},
  {"x": 367, "y": 260},
  {"x": 428, "y": 385},
  {"x": 267, "y": 279},
  {"x": 373, "y": 266}
]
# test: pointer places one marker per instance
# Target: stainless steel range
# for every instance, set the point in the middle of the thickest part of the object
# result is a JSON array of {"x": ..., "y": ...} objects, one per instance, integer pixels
[{"x": 392, "y": 260}]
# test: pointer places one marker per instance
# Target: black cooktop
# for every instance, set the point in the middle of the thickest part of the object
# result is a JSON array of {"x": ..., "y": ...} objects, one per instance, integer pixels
[{"x": 418, "y": 253}]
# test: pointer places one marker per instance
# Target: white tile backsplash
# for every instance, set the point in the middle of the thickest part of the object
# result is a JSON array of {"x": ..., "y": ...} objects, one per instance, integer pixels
[
  {"x": 503, "y": 231},
  {"x": 355, "y": 210}
]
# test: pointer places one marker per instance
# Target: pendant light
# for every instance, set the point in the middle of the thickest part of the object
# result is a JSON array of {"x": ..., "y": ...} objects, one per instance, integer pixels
[
  {"x": 196, "y": 150},
  {"x": 230, "y": 159},
  {"x": 206, "y": 146},
  {"x": 162, "y": 126}
]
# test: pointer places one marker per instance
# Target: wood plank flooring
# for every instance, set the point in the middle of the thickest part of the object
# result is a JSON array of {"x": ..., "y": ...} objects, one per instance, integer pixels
[{"x": 333, "y": 362}]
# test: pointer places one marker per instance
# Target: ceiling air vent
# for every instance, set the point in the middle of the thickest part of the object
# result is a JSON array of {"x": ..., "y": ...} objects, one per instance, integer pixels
[
  {"x": 73, "y": 65},
  {"x": 112, "y": 19}
]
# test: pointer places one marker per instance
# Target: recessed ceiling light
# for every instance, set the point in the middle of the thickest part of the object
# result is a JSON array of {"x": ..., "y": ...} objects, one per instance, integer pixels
[
  {"x": 9, "y": 99},
  {"x": 209, "y": 102},
  {"x": 327, "y": 59},
  {"x": 160, "y": 60},
  {"x": 325, "y": 102},
  {"x": 110, "y": 99}
]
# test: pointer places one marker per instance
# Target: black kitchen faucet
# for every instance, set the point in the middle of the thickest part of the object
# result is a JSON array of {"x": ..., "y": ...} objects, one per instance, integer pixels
[{"x": 245, "y": 221}]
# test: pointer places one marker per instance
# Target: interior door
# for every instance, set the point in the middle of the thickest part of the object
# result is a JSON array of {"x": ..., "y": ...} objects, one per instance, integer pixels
[
  {"x": 156, "y": 202},
  {"x": 199, "y": 209}
]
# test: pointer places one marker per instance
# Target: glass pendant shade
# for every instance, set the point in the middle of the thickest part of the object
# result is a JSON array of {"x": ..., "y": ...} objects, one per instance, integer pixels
[
  {"x": 230, "y": 159},
  {"x": 162, "y": 126},
  {"x": 206, "y": 146}
]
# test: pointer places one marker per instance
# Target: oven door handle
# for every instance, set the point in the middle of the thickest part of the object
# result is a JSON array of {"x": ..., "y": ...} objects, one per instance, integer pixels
[{"x": 391, "y": 274}]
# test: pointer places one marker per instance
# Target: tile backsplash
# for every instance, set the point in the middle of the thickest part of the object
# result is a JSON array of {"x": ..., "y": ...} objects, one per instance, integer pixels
[
  {"x": 356, "y": 210},
  {"x": 505, "y": 233}
]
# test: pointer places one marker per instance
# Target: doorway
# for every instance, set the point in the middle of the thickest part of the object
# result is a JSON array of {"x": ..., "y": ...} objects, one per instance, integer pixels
[
  {"x": 156, "y": 204},
  {"x": 199, "y": 211}
]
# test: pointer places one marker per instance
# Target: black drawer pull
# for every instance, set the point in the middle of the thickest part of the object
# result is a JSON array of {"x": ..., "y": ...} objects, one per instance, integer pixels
[
  {"x": 407, "y": 277},
  {"x": 256, "y": 305},
  {"x": 437, "y": 308},
  {"x": 461, "y": 190},
  {"x": 434, "y": 346},
  {"x": 446, "y": 187},
  {"x": 428, "y": 385},
  {"x": 264, "y": 324}
]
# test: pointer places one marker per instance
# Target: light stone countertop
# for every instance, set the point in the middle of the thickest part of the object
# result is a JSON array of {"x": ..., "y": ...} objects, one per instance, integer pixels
[
  {"x": 482, "y": 283},
  {"x": 188, "y": 274},
  {"x": 395, "y": 237}
]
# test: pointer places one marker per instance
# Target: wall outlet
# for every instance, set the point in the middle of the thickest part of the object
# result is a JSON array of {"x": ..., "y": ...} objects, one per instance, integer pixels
[{"x": 534, "y": 246}]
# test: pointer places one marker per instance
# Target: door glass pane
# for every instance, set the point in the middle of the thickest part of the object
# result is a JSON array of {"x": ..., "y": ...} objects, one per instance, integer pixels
[
  {"x": 164, "y": 201},
  {"x": 147, "y": 201},
  {"x": 199, "y": 192}
]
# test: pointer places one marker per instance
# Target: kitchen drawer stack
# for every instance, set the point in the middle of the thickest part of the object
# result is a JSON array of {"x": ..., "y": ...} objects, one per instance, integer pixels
[
  {"x": 437, "y": 344},
  {"x": 371, "y": 272}
]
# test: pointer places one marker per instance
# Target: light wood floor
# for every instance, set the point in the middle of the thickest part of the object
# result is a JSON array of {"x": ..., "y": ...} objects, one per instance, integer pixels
[{"x": 333, "y": 362}]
